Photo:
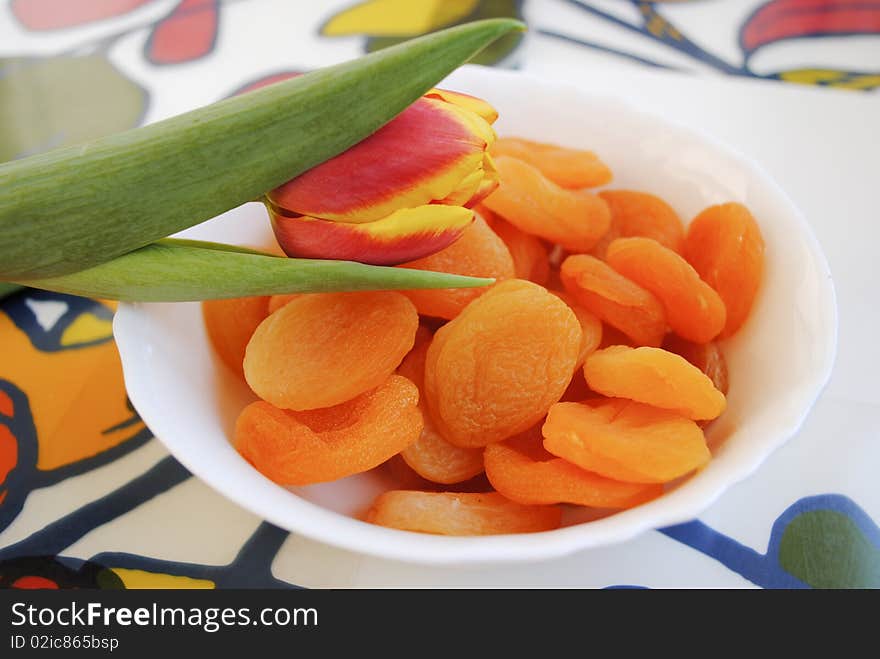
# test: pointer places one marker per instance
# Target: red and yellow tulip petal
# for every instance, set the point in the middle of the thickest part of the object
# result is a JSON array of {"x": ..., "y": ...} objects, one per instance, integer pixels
[
  {"x": 476, "y": 186},
  {"x": 475, "y": 123},
  {"x": 468, "y": 187},
  {"x": 472, "y": 103},
  {"x": 419, "y": 157},
  {"x": 405, "y": 235},
  {"x": 488, "y": 184}
]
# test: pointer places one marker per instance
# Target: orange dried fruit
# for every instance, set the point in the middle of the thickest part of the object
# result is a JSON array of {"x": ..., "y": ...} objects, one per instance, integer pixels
[
  {"x": 301, "y": 448},
  {"x": 230, "y": 325},
  {"x": 693, "y": 309},
  {"x": 490, "y": 218},
  {"x": 403, "y": 477},
  {"x": 724, "y": 244},
  {"x": 413, "y": 365},
  {"x": 522, "y": 470},
  {"x": 424, "y": 336},
  {"x": 577, "y": 389},
  {"x": 323, "y": 349},
  {"x": 575, "y": 219},
  {"x": 611, "y": 336},
  {"x": 478, "y": 483},
  {"x": 495, "y": 370},
  {"x": 591, "y": 327},
  {"x": 528, "y": 253},
  {"x": 615, "y": 299},
  {"x": 625, "y": 440},
  {"x": 477, "y": 253},
  {"x": 436, "y": 460},
  {"x": 705, "y": 356},
  {"x": 457, "y": 513},
  {"x": 635, "y": 213},
  {"x": 656, "y": 377},
  {"x": 566, "y": 167},
  {"x": 431, "y": 456},
  {"x": 278, "y": 301}
]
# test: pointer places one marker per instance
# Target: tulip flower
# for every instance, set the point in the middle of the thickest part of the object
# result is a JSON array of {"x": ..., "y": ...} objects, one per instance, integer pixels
[
  {"x": 403, "y": 193},
  {"x": 67, "y": 215}
]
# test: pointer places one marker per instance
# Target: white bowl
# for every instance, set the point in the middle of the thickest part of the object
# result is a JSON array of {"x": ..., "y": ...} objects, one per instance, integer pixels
[{"x": 779, "y": 362}]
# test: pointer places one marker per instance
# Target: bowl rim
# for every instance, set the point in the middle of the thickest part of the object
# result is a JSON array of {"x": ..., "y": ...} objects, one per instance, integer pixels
[{"x": 675, "y": 507}]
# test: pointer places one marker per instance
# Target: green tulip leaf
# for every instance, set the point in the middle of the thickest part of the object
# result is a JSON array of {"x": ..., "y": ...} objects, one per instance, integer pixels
[{"x": 184, "y": 270}]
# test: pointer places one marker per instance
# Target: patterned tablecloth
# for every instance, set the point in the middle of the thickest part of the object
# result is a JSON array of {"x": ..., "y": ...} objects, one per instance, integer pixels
[{"x": 89, "y": 497}]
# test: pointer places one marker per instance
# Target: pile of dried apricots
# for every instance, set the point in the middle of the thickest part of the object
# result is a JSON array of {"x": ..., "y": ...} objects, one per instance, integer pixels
[{"x": 584, "y": 376}]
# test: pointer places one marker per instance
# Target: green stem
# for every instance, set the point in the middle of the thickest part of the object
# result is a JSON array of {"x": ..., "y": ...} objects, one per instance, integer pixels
[
  {"x": 219, "y": 247},
  {"x": 178, "y": 271}
]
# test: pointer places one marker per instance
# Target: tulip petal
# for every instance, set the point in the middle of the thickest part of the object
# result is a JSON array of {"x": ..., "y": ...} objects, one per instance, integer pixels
[
  {"x": 419, "y": 157},
  {"x": 466, "y": 189},
  {"x": 476, "y": 186},
  {"x": 404, "y": 235},
  {"x": 476, "y": 123},
  {"x": 472, "y": 103},
  {"x": 488, "y": 184}
]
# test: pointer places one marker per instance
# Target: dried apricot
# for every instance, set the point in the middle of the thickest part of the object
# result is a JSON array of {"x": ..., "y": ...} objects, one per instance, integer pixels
[
  {"x": 478, "y": 483},
  {"x": 705, "y": 356},
  {"x": 230, "y": 325},
  {"x": 625, "y": 440},
  {"x": 323, "y": 349},
  {"x": 611, "y": 336},
  {"x": 431, "y": 456},
  {"x": 656, "y": 377},
  {"x": 724, "y": 244},
  {"x": 528, "y": 253},
  {"x": 615, "y": 299},
  {"x": 575, "y": 219},
  {"x": 693, "y": 310},
  {"x": 454, "y": 513},
  {"x": 424, "y": 336},
  {"x": 577, "y": 389},
  {"x": 278, "y": 301},
  {"x": 521, "y": 469},
  {"x": 436, "y": 460},
  {"x": 403, "y": 476},
  {"x": 495, "y": 370},
  {"x": 566, "y": 167},
  {"x": 591, "y": 327},
  {"x": 300, "y": 448},
  {"x": 413, "y": 365},
  {"x": 636, "y": 213},
  {"x": 477, "y": 253}
]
